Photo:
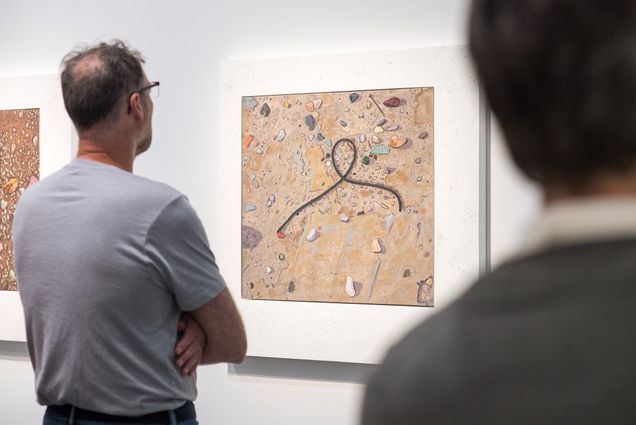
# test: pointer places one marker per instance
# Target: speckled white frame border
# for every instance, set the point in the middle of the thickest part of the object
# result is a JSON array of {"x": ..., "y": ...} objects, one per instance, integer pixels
[
  {"x": 350, "y": 332},
  {"x": 56, "y": 148}
]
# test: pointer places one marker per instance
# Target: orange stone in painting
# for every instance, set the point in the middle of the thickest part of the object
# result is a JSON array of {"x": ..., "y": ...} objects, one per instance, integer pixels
[
  {"x": 246, "y": 142},
  {"x": 11, "y": 186}
]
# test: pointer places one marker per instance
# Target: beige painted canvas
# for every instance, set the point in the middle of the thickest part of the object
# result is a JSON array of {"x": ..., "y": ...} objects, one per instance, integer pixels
[
  {"x": 19, "y": 169},
  {"x": 337, "y": 192}
]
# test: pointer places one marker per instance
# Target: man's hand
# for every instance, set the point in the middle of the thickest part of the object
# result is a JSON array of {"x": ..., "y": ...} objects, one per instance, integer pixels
[{"x": 190, "y": 347}]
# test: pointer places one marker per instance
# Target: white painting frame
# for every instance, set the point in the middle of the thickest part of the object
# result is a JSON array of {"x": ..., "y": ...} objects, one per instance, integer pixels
[
  {"x": 357, "y": 333},
  {"x": 41, "y": 92}
]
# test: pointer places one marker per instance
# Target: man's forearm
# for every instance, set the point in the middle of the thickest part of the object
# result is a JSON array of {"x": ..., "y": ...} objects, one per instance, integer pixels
[{"x": 224, "y": 330}]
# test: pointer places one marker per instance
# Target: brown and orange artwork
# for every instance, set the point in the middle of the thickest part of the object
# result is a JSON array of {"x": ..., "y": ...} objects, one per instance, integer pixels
[
  {"x": 19, "y": 169},
  {"x": 337, "y": 197}
]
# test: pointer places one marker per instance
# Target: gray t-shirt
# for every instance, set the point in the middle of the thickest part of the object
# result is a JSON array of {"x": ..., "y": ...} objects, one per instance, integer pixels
[{"x": 106, "y": 261}]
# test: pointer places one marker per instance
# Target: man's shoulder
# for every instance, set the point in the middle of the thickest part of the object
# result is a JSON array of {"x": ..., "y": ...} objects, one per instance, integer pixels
[
  {"x": 115, "y": 182},
  {"x": 557, "y": 269},
  {"x": 148, "y": 188},
  {"x": 86, "y": 184},
  {"x": 549, "y": 279},
  {"x": 143, "y": 196},
  {"x": 521, "y": 322}
]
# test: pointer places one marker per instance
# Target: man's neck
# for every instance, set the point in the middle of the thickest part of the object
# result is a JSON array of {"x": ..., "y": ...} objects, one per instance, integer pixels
[
  {"x": 605, "y": 186},
  {"x": 106, "y": 153}
]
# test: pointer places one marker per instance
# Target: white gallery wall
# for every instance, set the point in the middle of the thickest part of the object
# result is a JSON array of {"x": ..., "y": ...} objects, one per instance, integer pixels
[
  {"x": 514, "y": 202},
  {"x": 185, "y": 43}
]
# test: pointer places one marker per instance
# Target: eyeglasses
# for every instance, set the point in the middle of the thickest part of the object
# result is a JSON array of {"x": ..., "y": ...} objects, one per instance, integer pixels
[{"x": 154, "y": 94}]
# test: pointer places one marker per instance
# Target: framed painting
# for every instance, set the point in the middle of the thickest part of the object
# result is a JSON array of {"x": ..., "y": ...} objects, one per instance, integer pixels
[
  {"x": 354, "y": 217},
  {"x": 351, "y": 203},
  {"x": 35, "y": 140}
]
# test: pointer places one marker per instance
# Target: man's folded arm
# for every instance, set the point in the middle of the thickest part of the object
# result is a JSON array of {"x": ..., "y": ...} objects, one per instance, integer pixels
[{"x": 223, "y": 326}]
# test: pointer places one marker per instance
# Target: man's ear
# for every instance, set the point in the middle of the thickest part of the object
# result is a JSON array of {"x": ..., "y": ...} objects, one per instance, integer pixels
[{"x": 136, "y": 106}]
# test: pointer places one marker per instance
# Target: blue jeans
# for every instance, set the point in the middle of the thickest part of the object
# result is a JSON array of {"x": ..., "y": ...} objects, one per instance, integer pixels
[{"x": 59, "y": 420}]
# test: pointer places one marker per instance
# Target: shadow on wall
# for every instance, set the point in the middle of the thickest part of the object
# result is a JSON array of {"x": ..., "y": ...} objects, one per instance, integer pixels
[
  {"x": 13, "y": 351},
  {"x": 354, "y": 373}
]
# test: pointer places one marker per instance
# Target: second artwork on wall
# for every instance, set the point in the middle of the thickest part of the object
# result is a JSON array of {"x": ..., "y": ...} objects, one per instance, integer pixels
[
  {"x": 19, "y": 169},
  {"x": 338, "y": 200},
  {"x": 36, "y": 139}
]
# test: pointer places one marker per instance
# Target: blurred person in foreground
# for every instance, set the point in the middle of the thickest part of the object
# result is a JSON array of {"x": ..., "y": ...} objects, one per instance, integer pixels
[
  {"x": 550, "y": 336},
  {"x": 111, "y": 266}
]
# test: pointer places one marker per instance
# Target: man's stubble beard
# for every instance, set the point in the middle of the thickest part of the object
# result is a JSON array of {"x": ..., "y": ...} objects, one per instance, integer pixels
[{"x": 145, "y": 143}]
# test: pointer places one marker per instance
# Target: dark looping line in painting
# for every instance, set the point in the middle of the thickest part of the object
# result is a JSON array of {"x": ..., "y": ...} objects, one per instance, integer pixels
[{"x": 343, "y": 178}]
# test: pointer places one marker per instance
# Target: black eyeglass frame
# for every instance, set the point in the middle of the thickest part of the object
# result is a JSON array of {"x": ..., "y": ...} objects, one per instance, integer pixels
[{"x": 141, "y": 90}]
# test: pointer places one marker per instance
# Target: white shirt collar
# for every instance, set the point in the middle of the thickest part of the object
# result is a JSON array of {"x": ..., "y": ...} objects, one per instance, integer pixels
[{"x": 582, "y": 220}]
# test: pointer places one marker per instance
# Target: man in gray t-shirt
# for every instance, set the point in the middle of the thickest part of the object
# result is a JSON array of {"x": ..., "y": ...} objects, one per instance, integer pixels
[{"x": 108, "y": 264}]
